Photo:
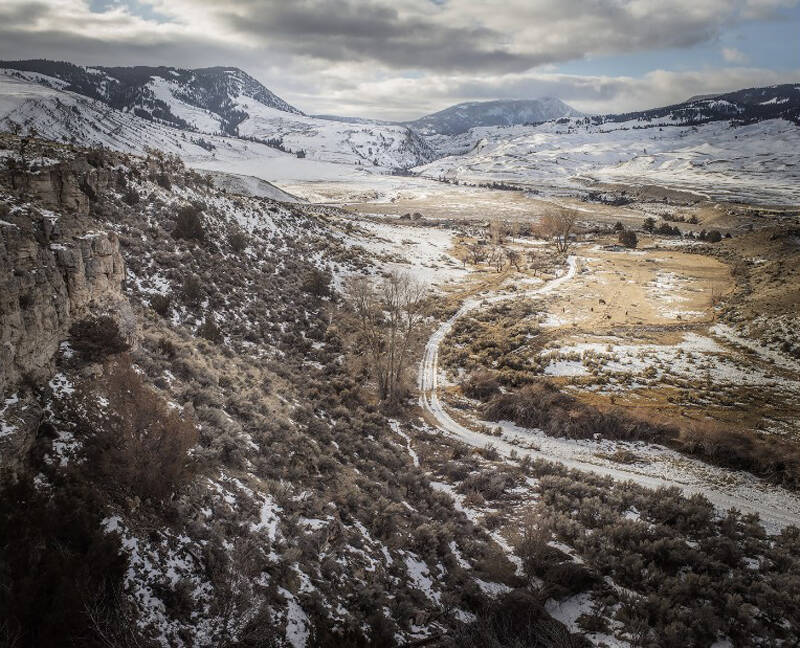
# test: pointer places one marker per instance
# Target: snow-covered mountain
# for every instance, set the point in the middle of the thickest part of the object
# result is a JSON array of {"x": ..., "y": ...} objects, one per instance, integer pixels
[
  {"x": 265, "y": 129},
  {"x": 742, "y": 106},
  {"x": 742, "y": 145},
  {"x": 739, "y": 146},
  {"x": 464, "y": 116},
  {"x": 206, "y": 99}
]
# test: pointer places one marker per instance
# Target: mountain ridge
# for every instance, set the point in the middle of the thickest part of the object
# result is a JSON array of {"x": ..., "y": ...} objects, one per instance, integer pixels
[
  {"x": 202, "y": 99},
  {"x": 744, "y": 106}
]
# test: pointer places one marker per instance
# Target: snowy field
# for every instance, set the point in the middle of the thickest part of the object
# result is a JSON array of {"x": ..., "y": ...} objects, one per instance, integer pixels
[
  {"x": 422, "y": 253},
  {"x": 656, "y": 466},
  {"x": 755, "y": 163}
]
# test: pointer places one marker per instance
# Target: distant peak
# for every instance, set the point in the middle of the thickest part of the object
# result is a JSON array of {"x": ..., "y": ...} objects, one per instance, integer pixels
[{"x": 493, "y": 112}]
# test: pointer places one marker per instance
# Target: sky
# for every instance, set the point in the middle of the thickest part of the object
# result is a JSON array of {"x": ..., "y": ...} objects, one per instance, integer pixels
[{"x": 400, "y": 59}]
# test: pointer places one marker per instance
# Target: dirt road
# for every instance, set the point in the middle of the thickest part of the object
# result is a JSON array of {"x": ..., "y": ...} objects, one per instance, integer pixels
[{"x": 777, "y": 507}]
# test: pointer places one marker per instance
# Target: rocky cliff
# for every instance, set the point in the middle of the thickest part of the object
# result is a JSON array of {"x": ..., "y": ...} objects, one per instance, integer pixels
[
  {"x": 55, "y": 270},
  {"x": 47, "y": 282}
]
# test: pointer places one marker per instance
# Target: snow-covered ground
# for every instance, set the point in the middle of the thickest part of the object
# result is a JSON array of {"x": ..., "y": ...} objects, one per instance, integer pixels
[
  {"x": 696, "y": 357},
  {"x": 758, "y": 162},
  {"x": 420, "y": 252},
  {"x": 169, "y": 92}
]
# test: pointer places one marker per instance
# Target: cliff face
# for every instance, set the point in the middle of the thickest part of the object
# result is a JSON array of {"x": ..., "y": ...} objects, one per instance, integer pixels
[
  {"x": 54, "y": 271},
  {"x": 48, "y": 281},
  {"x": 69, "y": 185}
]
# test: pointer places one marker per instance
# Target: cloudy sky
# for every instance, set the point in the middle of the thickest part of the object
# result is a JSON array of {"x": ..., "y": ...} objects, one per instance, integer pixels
[{"x": 399, "y": 59}]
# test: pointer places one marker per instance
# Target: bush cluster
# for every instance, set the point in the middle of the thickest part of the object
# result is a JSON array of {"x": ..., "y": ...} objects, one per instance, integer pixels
[{"x": 542, "y": 405}]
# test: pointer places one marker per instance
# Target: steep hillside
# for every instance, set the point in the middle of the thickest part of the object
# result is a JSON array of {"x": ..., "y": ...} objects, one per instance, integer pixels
[
  {"x": 274, "y": 142},
  {"x": 362, "y": 144},
  {"x": 508, "y": 112},
  {"x": 203, "y": 418}
]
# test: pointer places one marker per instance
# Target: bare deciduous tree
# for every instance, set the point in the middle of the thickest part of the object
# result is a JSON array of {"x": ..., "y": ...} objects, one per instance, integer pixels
[
  {"x": 513, "y": 257},
  {"x": 536, "y": 261},
  {"x": 498, "y": 258},
  {"x": 558, "y": 224},
  {"x": 388, "y": 316}
]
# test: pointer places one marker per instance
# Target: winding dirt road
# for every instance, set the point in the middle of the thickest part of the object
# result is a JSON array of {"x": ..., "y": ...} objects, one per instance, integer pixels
[{"x": 776, "y": 506}]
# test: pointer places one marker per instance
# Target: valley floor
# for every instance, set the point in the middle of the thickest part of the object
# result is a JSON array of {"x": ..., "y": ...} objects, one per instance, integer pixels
[
  {"x": 639, "y": 330},
  {"x": 654, "y": 466},
  {"x": 297, "y": 511}
]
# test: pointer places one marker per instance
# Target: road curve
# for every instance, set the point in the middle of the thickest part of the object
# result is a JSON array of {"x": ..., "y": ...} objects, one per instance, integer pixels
[{"x": 776, "y": 506}]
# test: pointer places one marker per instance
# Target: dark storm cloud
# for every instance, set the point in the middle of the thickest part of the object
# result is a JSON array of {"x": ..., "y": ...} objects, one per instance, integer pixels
[
  {"x": 421, "y": 35},
  {"x": 14, "y": 16},
  {"x": 345, "y": 30}
]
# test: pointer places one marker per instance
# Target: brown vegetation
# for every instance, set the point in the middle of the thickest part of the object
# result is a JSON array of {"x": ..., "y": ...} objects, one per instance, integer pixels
[
  {"x": 542, "y": 405},
  {"x": 140, "y": 444},
  {"x": 480, "y": 384},
  {"x": 774, "y": 459}
]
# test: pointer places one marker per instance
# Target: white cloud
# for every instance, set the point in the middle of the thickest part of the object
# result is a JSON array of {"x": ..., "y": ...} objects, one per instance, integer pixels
[{"x": 733, "y": 55}]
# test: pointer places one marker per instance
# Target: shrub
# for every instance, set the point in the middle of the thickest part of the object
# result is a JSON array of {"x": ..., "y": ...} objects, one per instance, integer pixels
[
  {"x": 239, "y": 241},
  {"x": 516, "y": 619},
  {"x": 665, "y": 229},
  {"x": 97, "y": 337},
  {"x": 161, "y": 304},
  {"x": 139, "y": 445},
  {"x": 567, "y": 578},
  {"x": 628, "y": 238},
  {"x": 131, "y": 197},
  {"x": 192, "y": 290},
  {"x": 490, "y": 484},
  {"x": 163, "y": 181},
  {"x": 61, "y": 574},
  {"x": 776, "y": 460},
  {"x": 481, "y": 385},
  {"x": 210, "y": 331},
  {"x": 189, "y": 224},
  {"x": 317, "y": 283},
  {"x": 542, "y": 405}
]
